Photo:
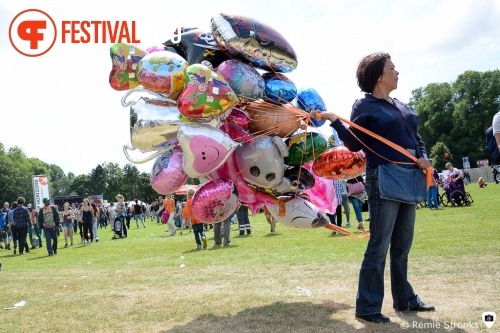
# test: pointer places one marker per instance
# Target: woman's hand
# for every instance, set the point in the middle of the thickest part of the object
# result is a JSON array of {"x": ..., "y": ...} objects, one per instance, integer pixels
[
  {"x": 423, "y": 163},
  {"x": 318, "y": 115}
]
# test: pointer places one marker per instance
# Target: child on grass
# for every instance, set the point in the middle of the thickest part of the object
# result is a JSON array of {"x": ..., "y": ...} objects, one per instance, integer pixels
[
  {"x": 185, "y": 217},
  {"x": 196, "y": 224}
]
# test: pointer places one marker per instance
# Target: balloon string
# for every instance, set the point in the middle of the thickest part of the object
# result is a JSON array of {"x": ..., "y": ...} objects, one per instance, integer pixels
[{"x": 428, "y": 171}]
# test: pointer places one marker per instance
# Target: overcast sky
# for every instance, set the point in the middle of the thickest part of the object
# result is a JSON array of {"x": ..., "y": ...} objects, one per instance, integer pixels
[{"x": 60, "y": 108}]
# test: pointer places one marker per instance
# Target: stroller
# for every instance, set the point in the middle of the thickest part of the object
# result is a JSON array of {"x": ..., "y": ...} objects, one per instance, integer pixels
[
  {"x": 119, "y": 227},
  {"x": 455, "y": 193}
]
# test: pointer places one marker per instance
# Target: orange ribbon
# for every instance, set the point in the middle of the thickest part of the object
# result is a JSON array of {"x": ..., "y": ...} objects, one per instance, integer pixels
[{"x": 429, "y": 172}]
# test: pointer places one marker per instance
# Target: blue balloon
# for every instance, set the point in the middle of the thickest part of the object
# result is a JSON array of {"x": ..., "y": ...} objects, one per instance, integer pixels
[
  {"x": 309, "y": 100},
  {"x": 279, "y": 88}
]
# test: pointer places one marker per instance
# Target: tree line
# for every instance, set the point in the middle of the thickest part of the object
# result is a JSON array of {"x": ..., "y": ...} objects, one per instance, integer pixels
[
  {"x": 454, "y": 116},
  {"x": 109, "y": 179}
]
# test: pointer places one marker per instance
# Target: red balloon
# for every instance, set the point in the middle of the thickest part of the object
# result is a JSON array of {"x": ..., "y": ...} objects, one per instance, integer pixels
[
  {"x": 340, "y": 163},
  {"x": 446, "y": 155}
]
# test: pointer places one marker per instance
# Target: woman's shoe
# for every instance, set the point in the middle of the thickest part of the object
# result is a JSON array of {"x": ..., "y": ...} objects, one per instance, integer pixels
[{"x": 377, "y": 318}]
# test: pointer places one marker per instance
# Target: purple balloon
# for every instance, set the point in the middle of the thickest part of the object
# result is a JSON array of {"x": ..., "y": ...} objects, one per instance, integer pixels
[
  {"x": 214, "y": 201},
  {"x": 167, "y": 175}
]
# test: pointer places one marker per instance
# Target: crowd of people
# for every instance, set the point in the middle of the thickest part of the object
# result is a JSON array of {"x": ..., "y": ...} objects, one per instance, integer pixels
[{"x": 23, "y": 228}]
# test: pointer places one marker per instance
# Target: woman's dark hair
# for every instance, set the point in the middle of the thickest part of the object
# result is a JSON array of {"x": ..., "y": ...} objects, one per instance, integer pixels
[
  {"x": 13, "y": 205},
  {"x": 370, "y": 69}
]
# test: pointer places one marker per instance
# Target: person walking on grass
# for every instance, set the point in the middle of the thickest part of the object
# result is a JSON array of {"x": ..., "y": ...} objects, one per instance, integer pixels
[
  {"x": 183, "y": 213},
  {"x": 222, "y": 229},
  {"x": 67, "y": 223},
  {"x": 271, "y": 220},
  {"x": 197, "y": 225},
  {"x": 169, "y": 206},
  {"x": 340, "y": 190},
  {"x": 34, "y": 227},
  {"x": 75, "y": 218},
  {"x": 120, "y": 210},
  {"x": 13, "y": 229},
  {"x": 87, "y": 214},
  {"x": 112, "y": 215},
  {"x": 4, "y": 227},
  {"x": 243, "y": 220},
  {"x": 23, "y": 222},
  {"x": 138, "y": 214},
  {"x": 48, "y": 221}
]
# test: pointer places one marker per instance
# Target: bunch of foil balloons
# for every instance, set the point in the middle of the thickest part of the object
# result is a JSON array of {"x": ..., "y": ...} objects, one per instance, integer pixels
[{"x": 216, "y": 105}]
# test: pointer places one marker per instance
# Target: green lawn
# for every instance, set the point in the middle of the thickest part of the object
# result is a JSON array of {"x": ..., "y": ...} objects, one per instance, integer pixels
[{"x": 138, "y": 285}]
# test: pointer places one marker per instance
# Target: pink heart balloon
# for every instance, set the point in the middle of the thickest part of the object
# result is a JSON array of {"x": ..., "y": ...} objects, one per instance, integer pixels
[{"x": 205, "y": 148}]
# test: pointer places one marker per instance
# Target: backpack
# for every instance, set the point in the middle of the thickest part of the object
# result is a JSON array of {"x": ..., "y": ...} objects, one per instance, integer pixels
[
  {"x": 3, "y": 220},
  {"x": 492, "y": 147}
]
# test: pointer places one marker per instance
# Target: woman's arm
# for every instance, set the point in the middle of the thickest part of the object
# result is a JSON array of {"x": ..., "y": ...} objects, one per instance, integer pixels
[{"x": 497, "y": 138}]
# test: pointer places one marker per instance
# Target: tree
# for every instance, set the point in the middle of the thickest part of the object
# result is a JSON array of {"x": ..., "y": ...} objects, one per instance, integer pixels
[
  {"x": 114, "y": 179},
  {"x": 457, "y": 114},
  {"x": 81, "y": 185},
  {"x": 16, "y": 175},
  {"x": 60, "y": 184},
  {"x": 130, "y": 181},
  {"x": 437, "y": 154},
  {"x": 146, "y": 192},
  {"x": 98, "y": 182},
  {"x": 435, "y": 109}
]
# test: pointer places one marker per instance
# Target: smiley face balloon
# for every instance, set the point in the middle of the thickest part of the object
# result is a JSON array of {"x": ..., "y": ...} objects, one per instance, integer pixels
[{"x": 205, "y": 148}]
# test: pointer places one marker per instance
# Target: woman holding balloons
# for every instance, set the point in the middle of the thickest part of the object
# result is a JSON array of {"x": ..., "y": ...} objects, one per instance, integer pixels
[{"x": 392, "y": 219}]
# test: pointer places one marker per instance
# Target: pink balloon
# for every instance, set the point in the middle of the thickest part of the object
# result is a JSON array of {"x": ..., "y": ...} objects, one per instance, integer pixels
[
  {"x": 322, "y": 194},
  {"x": 205, "y": 148},
  {"x": 214, "y": 201},
  {"x": 155, "y": 48},
  {"x": 239, "y": 117},
  {"x": 236, "y": 133},
  {"x": 167, "y": 175}
]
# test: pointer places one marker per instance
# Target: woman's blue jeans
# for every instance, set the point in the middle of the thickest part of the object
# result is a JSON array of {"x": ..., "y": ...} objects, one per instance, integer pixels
[
  {"x": 432, "y": 194},
  {"x": 391, "y": 223},
  {"x": 358, "y": 208}
]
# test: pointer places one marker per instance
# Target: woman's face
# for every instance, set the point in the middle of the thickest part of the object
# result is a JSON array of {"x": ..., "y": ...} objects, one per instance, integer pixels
[{"x": 389, "y": 78}]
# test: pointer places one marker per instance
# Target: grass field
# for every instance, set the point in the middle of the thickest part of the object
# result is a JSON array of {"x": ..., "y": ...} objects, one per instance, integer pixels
[{"x": 138, "y": 285}]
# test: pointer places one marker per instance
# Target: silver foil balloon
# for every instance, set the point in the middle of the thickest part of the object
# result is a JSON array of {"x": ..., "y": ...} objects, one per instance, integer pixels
[
  {"x": 152, "y": 124},
  {"x": 261, "y": 163},
  {"x": 245, "y": 38},
  {"x": 300, "y": 213}
]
